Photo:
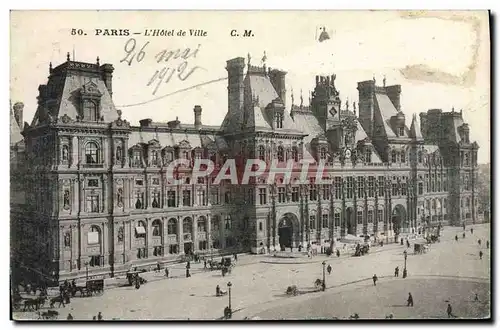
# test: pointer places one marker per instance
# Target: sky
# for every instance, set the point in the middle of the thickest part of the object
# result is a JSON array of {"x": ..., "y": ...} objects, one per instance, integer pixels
[{"x": 441, "y": 59}]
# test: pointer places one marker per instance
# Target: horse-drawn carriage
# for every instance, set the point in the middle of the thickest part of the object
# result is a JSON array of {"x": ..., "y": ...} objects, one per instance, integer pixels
[
  {"x": 90, "y": 288},
  {"x": 432, "y": 239},
  {"x": 420, "y": 248},
  {"x": 133, "y": 276},
  {"x": 362, "y": 249}
]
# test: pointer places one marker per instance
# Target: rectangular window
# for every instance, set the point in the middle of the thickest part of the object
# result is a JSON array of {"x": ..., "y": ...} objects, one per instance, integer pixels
[
  {"x": 371, "y": 186},
  {"x": 93, "y": 203},
  {"x": 338, "y": 187},
  {"x": 403, "y": 186},
  {"x": 295, "y": 194},
  {"x": 380, "y": 215},
  {"x": 359, "y": 217},
  {"x": 350, "y": 187},
  {"x": 426, "y": 182},
  {"x": 171, "y": 199},
  {"x": 433, "y": 183},
  {"x": 381, "y": 186},
  {"x": 313, "y": 192},
  {"x": 281, "y": 195},
  {"x": 369, "y": 216},
  {"x": 262, "y": 196},
  {"x": 96, "y": 261},
  {"x": 215, "y": 196},
  {"x": 312, "y": 222},
  {"x": 325, "y": 220},
  {"x": 439, "y": 182},
  {"x": 361, "y": 187},
  {"x": 420, "y": 188},
  {"x": 201, "y": 197},
  {"x": 154, "y": 158},
  {"x": 136, "y": 159},
  {"x": 139, "y": 200},
  {"x": 139, "y": 182},
  {"x": 325, "y": 192},
  {"x": 155, "y": 199},
  {"x": 401, "y": 131},
  {"x": 395, "y": 188},
  {"x": 156, "y": 181},
  {"x": 227, "y": 222},
  {"x": 186, "y": 198},
  {"x": 337, "y": 219}
]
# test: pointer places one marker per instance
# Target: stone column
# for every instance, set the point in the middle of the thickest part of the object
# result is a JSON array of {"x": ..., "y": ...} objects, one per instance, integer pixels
[
  {"x": 61, "y": 249},
  {"x": 105, "y": 243},
  {"x": 195, "y": 233},
  {"x": 209, "y": 231},
  {"x": 180, "y": 234}
]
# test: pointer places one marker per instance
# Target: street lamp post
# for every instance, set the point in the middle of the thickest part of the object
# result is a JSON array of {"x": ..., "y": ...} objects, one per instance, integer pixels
[
  {"x": 229, "y": 284},
  {"x": 405, "y": 273},
  {"x": 324, "y": 284}
]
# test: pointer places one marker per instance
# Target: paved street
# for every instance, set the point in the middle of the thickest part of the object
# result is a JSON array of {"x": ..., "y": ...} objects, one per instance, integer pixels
[{"x": 258, "y": 286}]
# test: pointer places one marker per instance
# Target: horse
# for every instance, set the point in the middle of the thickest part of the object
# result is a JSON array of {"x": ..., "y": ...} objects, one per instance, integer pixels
[
  {"x": 59, "y": 299},
  {"x": 30, "y": 303}
]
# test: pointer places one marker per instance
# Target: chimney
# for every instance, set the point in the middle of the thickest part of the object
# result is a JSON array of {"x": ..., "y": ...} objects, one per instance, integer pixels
[
  {"x": 107, "y": 76},
  {"x": 235, "y": 86},
  {"x": 18, "y": 113},
  {"x": 197, "y": 117},
  {"x": 145, "y": 122},
  {"x": 394, "y": 93},
  {"x": 366, "y": 104},
  {"x": 277, "y": 78}
]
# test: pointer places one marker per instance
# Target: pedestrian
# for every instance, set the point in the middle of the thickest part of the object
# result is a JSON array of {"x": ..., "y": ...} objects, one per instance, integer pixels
[
  {"x": 158, "y": 267},
  {"x": 236, "y": 257},
  {"x": 476, "y": 298},
  {"x": 463, "y": 235},
  {"x": 472, "y": 230},
  {"x": 487, "y": 244},
  {"x": 480, "y": 255},
  {"x": 329, "y": 269},
  {"x": 375, "y": 278},
  {"x": 408, "y": 243},
  {"x": 396, "y": 272},
  {"x": 205, "y": 263},
  {"x": 70, "y": 317},
  {"x": 479, "y": 242},
  {"x": 410, "y": 300},
  {"x": 449, "y": 310},
  {"x": 99, "y": 316},
  {"x": 187, "y": 273},
  {"x": 217, "y": 290},
  {"x": 166, "y": 272},
  {"x": 338, "y": 253},
  {"x": 456, "y": 238}
]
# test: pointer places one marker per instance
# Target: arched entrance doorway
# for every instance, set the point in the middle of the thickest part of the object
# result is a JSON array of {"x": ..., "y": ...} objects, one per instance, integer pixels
[
  {"x": 288, "y": 231},
  {"x": 350, "y": 221},
  {"x": 398, "y": 219}
]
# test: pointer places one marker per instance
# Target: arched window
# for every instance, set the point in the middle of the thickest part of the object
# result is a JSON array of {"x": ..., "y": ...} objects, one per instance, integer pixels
[
  {"x": 154, "y": 158},
  {"x": 157, "y": 227},
  {"x": 262, "y": 153},
  {"x": 187, "y": 225},
  {"x": 403, "y": 156},
  {"x": 279, "y": 120},
  {"x": 172, "y": 226},
  {"x": 215, "y": 223},
  {"x": 202, "y": 224},
  {"x": 90, "y": 112},
  {"x": 94, "y": 235},
  {"x": 92, "y": 153},
  {"x": 394, "y": 156},
  {"x": 295, "y": 154},
  {"x": 281, "y": 154}
]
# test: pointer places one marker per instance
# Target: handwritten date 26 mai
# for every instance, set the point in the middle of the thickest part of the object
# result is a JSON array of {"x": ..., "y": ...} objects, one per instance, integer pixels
[{"x": 165, "y": 74}]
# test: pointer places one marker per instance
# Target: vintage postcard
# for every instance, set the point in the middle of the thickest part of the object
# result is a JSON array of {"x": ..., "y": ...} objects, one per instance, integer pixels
[{"x": 250, "y": 165}]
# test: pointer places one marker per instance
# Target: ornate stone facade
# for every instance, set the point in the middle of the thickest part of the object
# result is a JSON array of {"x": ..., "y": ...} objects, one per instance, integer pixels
[{"x": 100, "y": 199}]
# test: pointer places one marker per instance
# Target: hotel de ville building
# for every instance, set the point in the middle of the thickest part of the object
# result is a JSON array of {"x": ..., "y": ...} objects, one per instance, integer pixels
[{"x": 90, "y": 192}]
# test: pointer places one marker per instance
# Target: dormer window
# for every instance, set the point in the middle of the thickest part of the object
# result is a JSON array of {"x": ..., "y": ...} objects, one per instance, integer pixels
[
  {"x": 279, "y": 120},
  {"x": 322, "y": 153},
  {"x": 368, "y": 156},
  {"x": 90, "y": 112},
  {"x": 401, "y": 131},
  {"x": 154, "y": 157},
  {"x": 394, "y": 156},
  {"x": 92, "y": 153},
  {"x": 136, "y": 158}
]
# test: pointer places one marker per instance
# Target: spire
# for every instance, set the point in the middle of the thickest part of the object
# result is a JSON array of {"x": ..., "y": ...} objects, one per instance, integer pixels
[
  {"x": 97, "y": 60},
  {"x": 50, "y": 67},
  {"x": 383, "y": 81},
  {"x": 374, "y": 81},
  {"x": 415, "y": 129},
  {"x": 452, "y": 109},
  {"x": 301, "y": 98},
  {"x": 292, "y": 96},
  {"x": 67, "y": 57},
  {"x": 249, "y": 58},
  {"x": 264, "y": 58}
]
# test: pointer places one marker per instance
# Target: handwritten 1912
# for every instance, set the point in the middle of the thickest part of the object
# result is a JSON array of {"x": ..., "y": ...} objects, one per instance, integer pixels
[{"x": 165, "y": 74}]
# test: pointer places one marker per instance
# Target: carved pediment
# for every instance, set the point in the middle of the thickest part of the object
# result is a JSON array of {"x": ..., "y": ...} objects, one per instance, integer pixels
[
  {"x": 66, "y": 119},
  {"x": 154, "y": 143},
  {"x": 90, "y": 89},
  {"x": 184, "y": 144}
]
